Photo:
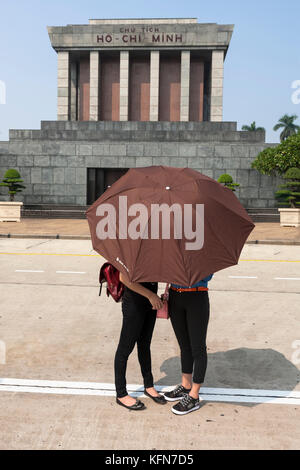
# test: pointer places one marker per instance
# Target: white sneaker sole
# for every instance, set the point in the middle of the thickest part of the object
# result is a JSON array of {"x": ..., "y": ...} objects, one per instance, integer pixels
[
  {"x": 173, "y": 399},
  {"x": 185, "y": 412}
]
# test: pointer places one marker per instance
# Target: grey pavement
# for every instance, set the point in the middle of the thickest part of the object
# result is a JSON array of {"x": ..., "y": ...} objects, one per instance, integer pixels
[{"x": 55, "y": 327}]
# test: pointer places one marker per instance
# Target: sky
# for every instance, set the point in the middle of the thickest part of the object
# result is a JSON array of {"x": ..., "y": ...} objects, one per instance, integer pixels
[{"x": 262, "y": 63}]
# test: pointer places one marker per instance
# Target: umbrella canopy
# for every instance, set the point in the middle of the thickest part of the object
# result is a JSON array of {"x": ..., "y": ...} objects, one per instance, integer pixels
[{"x": 168, "y": 224}]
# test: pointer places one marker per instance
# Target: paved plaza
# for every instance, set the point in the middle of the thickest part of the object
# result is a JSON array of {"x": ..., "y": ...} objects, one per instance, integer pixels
[
  {"x": 59, "y": 338},
  {"x": 78, "y": 228}
]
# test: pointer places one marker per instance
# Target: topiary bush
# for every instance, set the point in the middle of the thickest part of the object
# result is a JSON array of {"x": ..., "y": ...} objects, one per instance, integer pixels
[
  {"x": 289, "y": 194},
  {"x": 12, "y": 180},
  {"x": 227, "y": 181}
]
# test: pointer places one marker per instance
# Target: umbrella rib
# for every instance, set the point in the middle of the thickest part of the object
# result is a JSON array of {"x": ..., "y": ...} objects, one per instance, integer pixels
[
  {"x": 207, "y": 221},
  {"x": 232, "y": 209},
  {"x": 220, "y": 240},
  {"x": 192, "y": 178},
  {"x": 186, "y": 182},
  {"x": 183, "y": 260},
  {"x": 141, "y": 239},
  {"x": 178, "y": 243},
  {"x": 111, "y": 193}
]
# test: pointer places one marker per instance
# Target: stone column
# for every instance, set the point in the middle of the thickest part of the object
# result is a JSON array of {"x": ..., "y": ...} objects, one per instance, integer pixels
[
  {"x": 94, "y": 85},
  {"x": 63, "y": 91},
  {"x": 216, "y": 86},
  {"x": 154, "y": 85},
  {"x": 124, "y": 73},
  {"x": 185, "y": 86}
]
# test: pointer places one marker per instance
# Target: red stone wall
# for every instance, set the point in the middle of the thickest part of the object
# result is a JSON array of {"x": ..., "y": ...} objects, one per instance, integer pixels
[
  {"x": 110, "y": 88},
  {"x": 196, "y": 89},
  {"x": 169, "y": 88},
  {"x": 84, "y": 89},
  {"x": 139, "y": 88}
]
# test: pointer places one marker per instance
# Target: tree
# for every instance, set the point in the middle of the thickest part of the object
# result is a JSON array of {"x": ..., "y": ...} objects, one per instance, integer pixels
[
  {"x": 277, "y": 160},
  {"x": 12, "y": 180},
  {"x": 289, "y": 194},
  {"x": 227, "y": 181},
  {"x": 289, "y": 128},
  {"x": 252, "y": 127}
]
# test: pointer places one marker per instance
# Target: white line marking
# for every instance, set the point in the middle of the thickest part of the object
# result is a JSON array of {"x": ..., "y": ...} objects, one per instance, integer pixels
[
  {"x": 108, "y": 389},
  {"x": 70, "y": 272},
  {"x": 288, "y": 278},
  {"x": 243, "y": 277},
  {"x": 28, "y": 271}
]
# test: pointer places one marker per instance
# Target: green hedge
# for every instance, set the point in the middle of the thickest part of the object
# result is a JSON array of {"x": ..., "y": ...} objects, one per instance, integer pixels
[{"x": 277, "y": 160}]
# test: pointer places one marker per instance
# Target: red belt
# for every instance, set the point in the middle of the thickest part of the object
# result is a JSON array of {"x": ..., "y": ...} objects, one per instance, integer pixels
[{"x": 188, "y": 289}]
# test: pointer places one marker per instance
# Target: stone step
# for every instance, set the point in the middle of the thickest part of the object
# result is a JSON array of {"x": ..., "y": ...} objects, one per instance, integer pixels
[
  {"x": 269, "y": 214},
  {"x": 52, "y": 214},
  {"x": 266, "y": 210},
  {"x": 141, "y": 125},
  {"x": 136, "y": 135},
  {"x": 48, "y": 211}
]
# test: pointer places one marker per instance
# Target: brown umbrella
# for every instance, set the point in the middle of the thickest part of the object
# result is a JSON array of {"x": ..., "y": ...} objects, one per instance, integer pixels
[{"x": 168, "y": 224}]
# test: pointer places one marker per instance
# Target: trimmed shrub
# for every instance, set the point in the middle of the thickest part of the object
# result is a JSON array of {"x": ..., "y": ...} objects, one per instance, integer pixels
[
  {"x": 289, "y": 194},
  {"x": 227, "y": 181},
  {"x": 12, "y": 180}
]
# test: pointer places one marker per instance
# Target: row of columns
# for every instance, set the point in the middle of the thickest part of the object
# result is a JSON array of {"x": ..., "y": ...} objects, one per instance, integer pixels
[{"x": 67, "y": 86}]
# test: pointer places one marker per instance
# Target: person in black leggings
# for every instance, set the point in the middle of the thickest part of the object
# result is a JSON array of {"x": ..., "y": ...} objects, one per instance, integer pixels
[
  {"x": 189, "y": 314},
  {"x": 139, "y": 304}
]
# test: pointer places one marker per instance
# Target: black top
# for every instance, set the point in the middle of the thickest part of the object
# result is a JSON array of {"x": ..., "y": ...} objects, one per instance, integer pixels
[{"x": 130, "y": 295}]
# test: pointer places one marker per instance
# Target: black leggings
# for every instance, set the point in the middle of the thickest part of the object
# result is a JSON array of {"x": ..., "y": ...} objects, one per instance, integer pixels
[
  {"x": 189, "y": 314},
  {"x": 138, "y": 324}
]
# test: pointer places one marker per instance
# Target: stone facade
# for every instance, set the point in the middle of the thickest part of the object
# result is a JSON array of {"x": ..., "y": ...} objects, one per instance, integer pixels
[
  {"x": 182, "y": 61},
  {"x": 148, "y": 32},
  {"x": 53, "y": 161},
  {"x": 81, "y": 49}
]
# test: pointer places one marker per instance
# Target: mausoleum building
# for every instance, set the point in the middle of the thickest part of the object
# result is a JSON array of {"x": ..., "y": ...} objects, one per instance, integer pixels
[
  {"x": 135, "y": 92},
  {"x": 140, "y": 70}
]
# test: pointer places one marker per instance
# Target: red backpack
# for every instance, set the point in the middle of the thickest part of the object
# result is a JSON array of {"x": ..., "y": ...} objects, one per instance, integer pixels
[{"x": 110, "y": 275}]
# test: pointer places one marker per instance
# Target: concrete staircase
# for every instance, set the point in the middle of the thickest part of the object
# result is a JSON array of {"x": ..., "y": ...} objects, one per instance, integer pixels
[
  {"x": 48, "y": 211},
  {"x": 55, "y": 211},
  {"x": 264, "y": 215},
  {"x": 135, "y": 131}
]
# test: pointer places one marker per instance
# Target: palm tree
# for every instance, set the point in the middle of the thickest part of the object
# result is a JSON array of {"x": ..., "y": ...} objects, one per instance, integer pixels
[
  {"x": 252, "y": 127},
  {"x": 289, "y": 128}
]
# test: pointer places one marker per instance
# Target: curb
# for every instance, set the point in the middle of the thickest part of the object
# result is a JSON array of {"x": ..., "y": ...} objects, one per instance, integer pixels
[
  {"x": 44, "y": 235},
  {"x": 273, "y": 242},
  {"x": 87, "y": 237}
]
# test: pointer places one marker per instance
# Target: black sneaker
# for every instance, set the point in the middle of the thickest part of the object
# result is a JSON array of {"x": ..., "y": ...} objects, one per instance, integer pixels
[
  {"x": 186, "y": 405},
  {"x": 176, "y": 394}
]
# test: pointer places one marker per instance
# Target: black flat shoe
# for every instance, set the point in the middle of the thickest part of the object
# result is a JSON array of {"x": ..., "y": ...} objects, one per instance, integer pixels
[
  {"x": 139, "y": 405},
  {"x": 160, "y": 400}
]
